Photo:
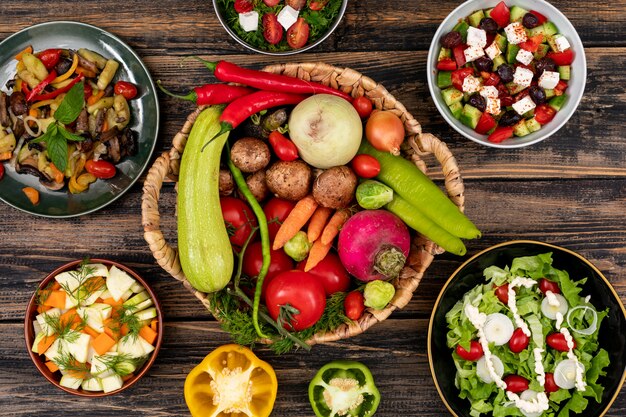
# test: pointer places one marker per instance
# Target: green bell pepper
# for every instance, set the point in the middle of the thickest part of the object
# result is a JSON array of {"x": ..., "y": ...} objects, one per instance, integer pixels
[{"x": 344, "y": 388}]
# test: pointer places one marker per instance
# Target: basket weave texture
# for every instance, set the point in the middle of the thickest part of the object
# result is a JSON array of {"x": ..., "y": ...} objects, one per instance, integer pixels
[{"x": 416, "y": 146}]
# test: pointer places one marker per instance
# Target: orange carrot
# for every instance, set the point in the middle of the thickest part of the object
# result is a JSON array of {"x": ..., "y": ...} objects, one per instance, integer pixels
[
  {"x": 42, "y": 309},
  {"x": 75, "y": 373},
  {"x": 5, "y": 156},
  {"x": 56, "y": 286},
  {"x": 32, "y": 194},
  {"x": 124, "y": 329},
  {"x": 91, "y": 332},
  {"x": 301, "y": 213},
  {"x": 45, "y": 343},
  {"x": 111, "y": 329},
  {"x": 87, "y": 73},
  {"x": 334, "y": 225},
  {"x": 70, "y": 316},
  {"x": 56, "y": 299},
  {"x": 317, "y": 223},
  {"x": 52, "y": 366},
  {"x": 27, "y": 50},
  {"x": 316, "y": 254},
  {"x": 110, "y": 301},
  {"x": 102, "y": 343},
  {"x": 56, "y": 174},
  {"x": 147, "y": 333},
  {"x": 95, "y": 98},
  {"x": 127, "y": 377},
  {"x": 154, "y": 324}
]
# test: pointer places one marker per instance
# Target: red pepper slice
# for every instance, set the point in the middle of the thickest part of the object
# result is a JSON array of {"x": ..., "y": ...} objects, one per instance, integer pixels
[
  {"x": 532, "y": 44},
  {"x": 501, "y": 14},
  {"x": 50, "y": 57},
  {"x": 210, "y": 94},
  {"x": 501, "y": 133},
  {"x": 446, "y": 64},
  {"x": 459, "y": 54},
  {"x": 35, "y": 91},
  {"x": 485, "y": 124},
  {"x": 491, "y": 78},
  {"x": 58, "y": 91},
  {"x": 284, "y": 149},
  {"x": 542, "y": 19},
  {"x": 562, "y": 58}
]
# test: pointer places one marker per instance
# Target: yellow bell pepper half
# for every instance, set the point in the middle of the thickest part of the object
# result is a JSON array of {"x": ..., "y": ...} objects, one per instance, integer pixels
[{"x": 231, "y": 380}]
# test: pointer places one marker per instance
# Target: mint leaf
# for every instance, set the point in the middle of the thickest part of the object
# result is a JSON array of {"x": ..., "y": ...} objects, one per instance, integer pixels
[
  {"x": 69, "y": 135},
  {"x": 72, "y": 105},
  {"x": 51, "y": 131},
  {"x": 57, "y": 150}
]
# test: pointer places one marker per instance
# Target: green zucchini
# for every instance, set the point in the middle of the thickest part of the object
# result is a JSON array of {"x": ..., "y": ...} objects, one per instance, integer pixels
[{"x": 203, "y": 244}]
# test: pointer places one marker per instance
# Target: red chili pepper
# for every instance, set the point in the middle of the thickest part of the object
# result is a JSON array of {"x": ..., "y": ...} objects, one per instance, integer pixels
[
  {"x": 284, "y": 149},
  {"x": 210, "y": 94},
  {"x": 50, "y": 57},
  {"x": 228, "y": 72},
  {"x": 25, "y": 89},
  {"x": 35, "y": 91},
  {"x": 58, "y": 91}
]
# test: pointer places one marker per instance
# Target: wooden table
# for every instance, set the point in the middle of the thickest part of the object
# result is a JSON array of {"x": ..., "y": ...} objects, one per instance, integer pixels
[{"x": 569, "y": 190}]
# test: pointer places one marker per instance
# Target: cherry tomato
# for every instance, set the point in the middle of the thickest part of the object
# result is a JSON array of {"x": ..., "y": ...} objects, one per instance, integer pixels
[
  {"x": 272, "y": 30},
  {"x": 298, "y": 33},
  {"x": 284, "y": 149},
  {"x": 296, "y": 4},
  {"x": 385, "y": 131},
  {"x": 562, "y": 58},
  {"x": 354, "y": 305},
  {"x": 501, "y": 14},
  {"x": 253, "y": 261},
  {"x": 519, "y": 341},
  {"x": 276, "y": 210},
  {"x": 331, "y": 273},
  {"x": 271, "y": 3},
  {"x": 239, "y": 219},
  {"x": 126, "y": 89},
  {"x": 301, "y": 291},
  {"x": 515, "y": 383},
  {"x": 544, "y": 113},
  {"x": 244, "y": 6},
  {"x": 547, "y": 285},
  {"x": 363, "y": 106},
  {"x": 365, "y": 166},
  {"x": 557, "y": 342},
  {"x": 49, "y": 57},
  {"x": 502, "y": 292},
  {"x": 100, "y": 169},
  {"x": 458, "y": 76},
  {"x": 475, "y": 352},
  {"x": 317, "y": 5},
  {"x": 550, "y": 385}
]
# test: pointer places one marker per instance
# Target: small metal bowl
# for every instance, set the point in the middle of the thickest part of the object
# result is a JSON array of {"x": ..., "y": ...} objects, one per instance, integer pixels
[{"x": 232, "y": 33}]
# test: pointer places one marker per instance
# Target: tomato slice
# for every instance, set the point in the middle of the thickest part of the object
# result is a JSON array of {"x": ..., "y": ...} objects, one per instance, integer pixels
[
  {"x": 492, "y": 79},
  {"x": 501, "y": 133},
  {"x": 459, "y": 75},
  {"x": 271, "y": 3},
  {"x": 485, "y": 124},
  {"x": 459, "y": 54},
  {"x": 562, "y": 58},
  {"x": 532, "y": 44},
  {"x": 272, "y": 30},
  {"x": 446, "y": 64},
  {"x": 243, "y": 6},
  {"x": 544, "y": 113},
  {"x": 542, "y": 18},
  {"x": 501, "y": 14},
  {"x": 561, "y": 86},
  {"x": 317, "y": 5},
  {"x": 298, "y": 33}
]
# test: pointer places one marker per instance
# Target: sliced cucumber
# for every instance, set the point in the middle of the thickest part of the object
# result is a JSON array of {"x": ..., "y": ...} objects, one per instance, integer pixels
[
  {"x": 137, "y": 287},
  {"x": 143, "y": 305},
  {"x": 501, "y": 41},
  {"x": 549, "y": 93},
  {"x": 550, "y": 310},
  {"x": 497, "y": 61},
  {"x": 444, "y": 80},
  {"x": 498, "y": 329},
  {"x": 136, "y": 299},
  {"x": 475, "y": 18},
  {"x": 451, "y": 95},
  {"x": 550, "y": 29},
  {"x": 511, "y": 53},
  {"x": 147, "y": 314},
  {"x": 565, "y": 72},
  {"x": 557, "y": 102},
  {"x": 542, "y": 51},
  {"x": 517, "y": 13},
  {"x": 483, "y": 373},
  {"x": 470, "y": 116}
]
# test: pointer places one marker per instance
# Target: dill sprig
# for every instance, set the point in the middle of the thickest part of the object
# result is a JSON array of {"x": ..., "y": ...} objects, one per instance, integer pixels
[
  {"x": 127, "y": 317},
  {"x": 88, "y": 283},
  {"x": 123, "y": 364},
  {"x": 66, "y": 329},
  {"x": 68, "y": 363},
  {"x": 44, "y": 293}
]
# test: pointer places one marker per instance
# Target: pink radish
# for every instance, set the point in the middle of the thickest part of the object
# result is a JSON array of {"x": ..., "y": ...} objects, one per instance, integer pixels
[{"x": 374, "y": 244}]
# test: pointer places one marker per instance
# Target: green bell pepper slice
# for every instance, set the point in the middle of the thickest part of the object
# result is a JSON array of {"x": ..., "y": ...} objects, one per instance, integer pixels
[{"x": 344, "y": 388}]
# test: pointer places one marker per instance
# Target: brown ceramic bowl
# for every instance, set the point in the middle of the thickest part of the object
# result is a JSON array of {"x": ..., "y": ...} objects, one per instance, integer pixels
[{"x": 29, "y": 336}]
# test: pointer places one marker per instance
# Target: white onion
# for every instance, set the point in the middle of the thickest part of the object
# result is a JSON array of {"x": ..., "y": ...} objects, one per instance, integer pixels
[
  {"x": 482, "y": 371},
  {"x": 565, "y": 373},
  {"x": 498, "y": 329},
  {"x": 592, "y": 327},
  {"x": 529, "y": 395},
  {"x": 550, "y": 311},
  {"x": 16, "y": 152},
  {"x": 29, "y": 130}
]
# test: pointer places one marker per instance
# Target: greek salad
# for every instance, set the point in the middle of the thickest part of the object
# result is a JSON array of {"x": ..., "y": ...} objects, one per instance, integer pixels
[
  {"x": 504, "y": 72},
  {"x": 526, "y": 342}
]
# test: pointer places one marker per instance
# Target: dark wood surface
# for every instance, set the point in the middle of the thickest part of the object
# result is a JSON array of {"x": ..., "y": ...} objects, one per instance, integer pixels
[{"x": 569, "y": 190}]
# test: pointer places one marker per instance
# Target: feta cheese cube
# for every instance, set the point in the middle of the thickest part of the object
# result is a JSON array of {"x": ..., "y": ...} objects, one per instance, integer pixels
[
  {"x": 561, "y": 43},
  {"x": 524, "y": 105},
  {"x": 493, "y": 50},
  {"x": 473, "y": 53},
  {"x": 287, "y": 16},
  {"x": 522, "y": 77},
  {"x": 476, "y": 37},
  {"x": 249, "y": 21},
  {"x": 549, "y": 79},
  {"x": 524, "y": 56},
  {"x": 515, "y": 33},
  {"x": 493, "y": 106},
  {"x": 489, "y": 91},
  {"x": 471, "y": 84}
]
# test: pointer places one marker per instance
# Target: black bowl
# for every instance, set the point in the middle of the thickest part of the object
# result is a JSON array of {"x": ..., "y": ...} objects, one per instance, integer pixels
[{"x": 612, "y": 332}]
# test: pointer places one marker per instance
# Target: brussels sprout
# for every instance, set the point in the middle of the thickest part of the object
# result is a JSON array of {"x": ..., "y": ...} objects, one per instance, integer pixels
[
  {"x": 298, "y": 246},
  {"x": 378, "y": 294},
  {"x": 372, "y": 195}
]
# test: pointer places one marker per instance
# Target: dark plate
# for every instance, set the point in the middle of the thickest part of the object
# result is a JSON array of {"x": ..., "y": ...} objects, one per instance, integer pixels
[
  {"x": 612, "y": 332},
  {"x": 144, "y": 110}
]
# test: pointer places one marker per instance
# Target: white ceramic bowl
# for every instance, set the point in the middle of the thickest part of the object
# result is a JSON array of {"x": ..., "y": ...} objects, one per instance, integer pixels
[{"x": 575, "y": 89}]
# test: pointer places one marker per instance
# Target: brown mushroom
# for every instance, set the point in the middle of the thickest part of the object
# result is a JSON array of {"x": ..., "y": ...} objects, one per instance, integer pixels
[
  {"x": 227, "y": 184},
  {"x": 289, "y": 180},
  {"x": 258, "y": 186},
  {"x": 18, "y": 103},
  {"x": 250, "y": 154},
  {"x": 335, "y": 187}
]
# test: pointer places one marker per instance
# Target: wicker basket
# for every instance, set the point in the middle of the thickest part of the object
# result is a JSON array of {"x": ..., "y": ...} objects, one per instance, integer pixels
[{"x": 415, "y": 147}]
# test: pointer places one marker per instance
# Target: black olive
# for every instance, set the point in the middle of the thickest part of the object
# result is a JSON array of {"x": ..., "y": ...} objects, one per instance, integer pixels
[
  {"x": 509, "y": 118},
  {"x": 484, "y": 64},
  {"x": 478, "y": 101},
  {"x": 545, "y": 64},
  {"x": 530, "y": 21},
  {"x": 537, "y": 94},
  {"x": 505, "y": 72},
  {"x": 451, "y": 39},
  {"x": 488, "y": 25}
]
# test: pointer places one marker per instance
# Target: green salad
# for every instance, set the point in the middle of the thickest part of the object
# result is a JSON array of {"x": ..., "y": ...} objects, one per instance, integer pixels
[{"x": 526, "y": 342}]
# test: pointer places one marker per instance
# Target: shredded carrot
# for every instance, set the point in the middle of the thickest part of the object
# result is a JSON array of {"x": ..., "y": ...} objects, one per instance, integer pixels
[
  {"x": 52, "y": 366},
  {"x": 27, "y": 50},
  {"x": 102, "y": 343},
  {"x": 32, "y": 194},
  {"x": 301, "y": 213},
  {"x": 127, "y": 377},
  {"x": 334, "y": 225},
  {"x": 87, "y": 73},
  {"x": 56, "y": 299},
  {"x": 147, "y": 333},
  {"x": 95, "y": 98},
  {"x": 56, "y": 174},
  {"x": 317, "y": 253},
  {"x": 91, "y": 332},
  {"x": 154, "y": 324},
  {"x": 317, "y": 223},
  {"x": 45, "y": 343}
]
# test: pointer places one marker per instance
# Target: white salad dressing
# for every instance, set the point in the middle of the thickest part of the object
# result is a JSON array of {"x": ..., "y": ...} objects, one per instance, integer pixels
[
  {"x": 580, "y": 383},
  {"x": 587, "y": 299},
  {"x": 539, "y": 370},
  {"x": 552, "y": 300},
  {"x": 519, "y": 282},
  {"x": 537, "y": 405}
]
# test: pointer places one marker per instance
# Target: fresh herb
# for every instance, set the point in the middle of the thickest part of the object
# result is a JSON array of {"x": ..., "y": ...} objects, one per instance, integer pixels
[
  {"x": 57, "y": 136},
  {"x": 68, "y": 363},
  {"x": 127, "y": 317},
  {"x": 88, "y": 283},
  {"x": 43, "y": 294},
  {"x": 65, "y": 328},
  {"x": 123, "y": 364}
]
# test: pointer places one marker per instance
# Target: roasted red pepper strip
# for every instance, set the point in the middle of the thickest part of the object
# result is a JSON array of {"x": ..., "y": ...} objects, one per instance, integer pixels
[
  {"x": 35, "y": 91},
  {"x": 58, "y": 91},
  {"x": 211, "y": 94},
  {"x": 50, "y": 57},
  {"x": 231, "y": 73}
]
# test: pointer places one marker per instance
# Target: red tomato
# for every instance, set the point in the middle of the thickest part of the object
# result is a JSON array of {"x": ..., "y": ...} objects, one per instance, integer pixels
[
  {"x": 126, "y": 89},
  {"x": 501, "y": 14},
  {"x": 253, "y": 261},
  {"x": 317, "y": 5},
  {"x": 542, "y": 18},
  {"x": 562, "y": 58},
  {"x": 363, "y": 106},
  {"x": 271, "y": 3},
  {"x": 302, "y": 292},
  {"x": 519, "y": 341},
  {"x": 485, "y": 123},
  {"x": 501, "y": 133},
  {"x": 561, "y": 86},
  {"x": 502, "y": 292},
  {"x": 50, "y": 57},
  {"x": 284, "y": 149},
  {"x": 475, "y": 352},
  {"x": 492, "y": 79},
  {"x": 515, "y": 383},
  {"x": 276, "y": 210},
  {"x": 459, "y": 75},
  {"x": 272, "y": 30},
  {"x": 446, "y": 64},
  {"x": 100, "y": 169},
  {"x": 298, "y": 33},
  {"x": 354, "y": 305},
  {"x": 1, "y": 171},
  {"x": 239, "y": 219},
  {"x": 244, "y": 6},
  {"x": 557, "y": 342},
  {"x": 550, "y": 385},
  {"x": 546, "y": 285},
  {"x": 331, "y": 273},
  {"x": 532, "y": 44},
  {"x": 365, "y": 166},
  {"x": 544, "y": 113},
  {"x": 459, "y": 54}
]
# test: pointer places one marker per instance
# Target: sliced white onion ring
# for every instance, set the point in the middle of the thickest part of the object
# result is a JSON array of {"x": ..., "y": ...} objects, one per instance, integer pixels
[
  {"x": 592, "y": 327},
  {"x": 30, "y": 131},
  {"x": 529, "y": 395},
  {"x": 498, "y": 329},
  {"x": 482, "y": 371},
  {"x": 565, "y": 373},
  {"x": 550, "y": 311},
  {"x": 16, "y": 152}
]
